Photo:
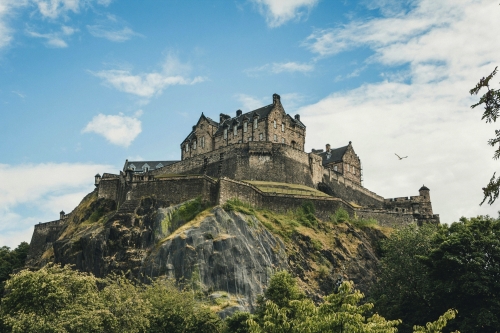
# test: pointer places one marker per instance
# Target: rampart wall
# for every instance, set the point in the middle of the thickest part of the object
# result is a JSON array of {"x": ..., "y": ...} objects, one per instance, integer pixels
[
  {"x": 341, "y": 187},
  {"x": 175, "y": 190},
  {"x": 387, "y": 219},
  {"x": 43, "y": 237},
  {"x": 229, "y": 189}
]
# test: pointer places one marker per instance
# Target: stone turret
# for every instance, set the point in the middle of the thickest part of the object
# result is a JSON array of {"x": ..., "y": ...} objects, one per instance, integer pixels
[
  {"x": 61, "y": 215},
  {"x": 425, "y": 205},
  {"x": 97, "y": 179}
]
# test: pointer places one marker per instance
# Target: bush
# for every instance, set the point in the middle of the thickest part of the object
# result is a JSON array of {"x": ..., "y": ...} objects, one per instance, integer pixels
[{"x": 340, "y": 216}]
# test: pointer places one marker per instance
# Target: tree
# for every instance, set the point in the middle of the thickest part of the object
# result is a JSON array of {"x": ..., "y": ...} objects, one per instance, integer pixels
[
  {"x": 404, "y": 289},
  {"x": 57, "y": 299},
  {"x": 177, "y": 311},
  {"x": 491, "y": 101},
  {"x": 464, "y": 266},
  {"x": 339, "y": 312},
  {"x": 425, "y": 271},
  {"x": 10, "y": 261}
]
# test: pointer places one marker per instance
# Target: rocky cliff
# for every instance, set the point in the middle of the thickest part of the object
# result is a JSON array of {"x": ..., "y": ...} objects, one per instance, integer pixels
[{"x": 228, "y": 251}]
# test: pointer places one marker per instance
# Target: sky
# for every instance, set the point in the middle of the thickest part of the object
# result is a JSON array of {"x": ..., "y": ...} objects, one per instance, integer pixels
[{"x": 86, "y": 84}]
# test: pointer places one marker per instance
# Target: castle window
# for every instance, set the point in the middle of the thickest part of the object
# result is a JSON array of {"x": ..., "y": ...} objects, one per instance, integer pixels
[
  {"x": 159, "y": 165},
  {"x": 261, "y": 136},
  {"x": 282, "y": 140},
  {"x": 132, "y": 167},
  {"x": 255, "y": 123},
  {"x": 194, "y": 144},
  {"x": 187, "y": 147},
  {"x": 202, "y": 142},
  {"x": 283, "y": 127},
  {"x": 335, "y": 168},
  {"x": 235, "y": 130},
  {"x": 249, "y": 138},
  {"x": 245, "y": 126},
  {"x": 275, "y": 124},
  {"x": 275, "y": 138},
  {"x": 225, "y": 133}
]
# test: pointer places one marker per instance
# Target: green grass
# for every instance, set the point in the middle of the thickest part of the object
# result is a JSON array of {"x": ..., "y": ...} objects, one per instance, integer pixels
[{"x": 285, "y": 188}]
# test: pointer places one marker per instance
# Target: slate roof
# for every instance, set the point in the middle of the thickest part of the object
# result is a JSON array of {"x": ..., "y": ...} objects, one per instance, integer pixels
[
  {"x": 152, "y": 164},
  {"x": 334, "y": 156},
  {"x": 262, "y": 112}
]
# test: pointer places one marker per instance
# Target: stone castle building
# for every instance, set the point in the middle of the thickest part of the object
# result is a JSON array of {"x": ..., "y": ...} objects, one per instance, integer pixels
[{"x": 257, "y": 157}]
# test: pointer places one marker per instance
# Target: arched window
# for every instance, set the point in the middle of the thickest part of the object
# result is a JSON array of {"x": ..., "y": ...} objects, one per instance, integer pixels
[
  {"x": 275, "y": 138},
  {"x": 282, "y": 127},
  {"x": 282, "y": 140},
  {"x": 275, "y": 124},
  {"x": 194, "y": 145},
  {"x": 187, "y": 147},
  {"x": 261, "y": 136}
]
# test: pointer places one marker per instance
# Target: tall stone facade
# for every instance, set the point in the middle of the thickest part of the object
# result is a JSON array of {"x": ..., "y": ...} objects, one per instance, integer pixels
[{"x": 267, "y": 124}]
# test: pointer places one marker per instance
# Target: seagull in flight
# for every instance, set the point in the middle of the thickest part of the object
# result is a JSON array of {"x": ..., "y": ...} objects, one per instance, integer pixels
[{"x": 400, "y": 158}]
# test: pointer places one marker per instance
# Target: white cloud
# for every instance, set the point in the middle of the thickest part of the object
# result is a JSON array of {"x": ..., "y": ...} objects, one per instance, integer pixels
[
  {"x": 54, "y": 39},
  {"x": 278, "y": 12},
  {"x": 280, "y": 67},
  {"x": 113, "y": 29},
  {"x": 45, "y": 189},
  {"x": 149, "y": 84},
  {"x": 447, "y": 46},
  {"x": 117, "y": 129},
  {"x": 54, "y": 8},
  {"x": 8, "y": 9},
  {"x": 250, "y": 102}
]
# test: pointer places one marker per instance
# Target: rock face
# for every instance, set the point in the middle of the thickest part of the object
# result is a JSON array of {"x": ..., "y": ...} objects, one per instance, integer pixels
[{"x": 214, "y": 250}]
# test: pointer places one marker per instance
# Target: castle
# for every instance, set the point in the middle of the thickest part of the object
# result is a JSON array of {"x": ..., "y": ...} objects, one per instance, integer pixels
[{"x": 257, "y": 157}]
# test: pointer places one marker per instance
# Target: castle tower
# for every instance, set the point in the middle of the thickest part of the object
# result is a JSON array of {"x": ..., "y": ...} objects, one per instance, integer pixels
[
  {"x": 61, "y": 215},
  {"x": 426, "y": 206}
]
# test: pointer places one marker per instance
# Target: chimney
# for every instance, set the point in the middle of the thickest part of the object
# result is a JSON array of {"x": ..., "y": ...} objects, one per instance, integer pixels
[
  {"x": 239, "y": 113},
  {"x": 223, "y": 117},
  {"x": 297, "y": 117},
  {"x": 327, "y": 147},
  {"x": 276, "y": 99},
  {"x": 194, "y": 127}
]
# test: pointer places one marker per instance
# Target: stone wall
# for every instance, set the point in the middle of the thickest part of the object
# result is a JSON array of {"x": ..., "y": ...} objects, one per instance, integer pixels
[
  {"x": 263, "y": 161},
  {"x": 232, "y": 189},
  {"x": 176, "y": 189},
  {"x": 43, "y": 236},
  {"x": 387, "y": 219},
  {"x": 336, "y": 185}
]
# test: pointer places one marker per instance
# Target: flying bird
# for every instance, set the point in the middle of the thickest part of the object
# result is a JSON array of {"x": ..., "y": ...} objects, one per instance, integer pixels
[{"x": 400, "y": 158}]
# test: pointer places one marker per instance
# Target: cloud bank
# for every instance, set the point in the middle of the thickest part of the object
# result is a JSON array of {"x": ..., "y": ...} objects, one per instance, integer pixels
[
  {"x": 421, "y": 111},
  {"x": 32, "y": 193}
]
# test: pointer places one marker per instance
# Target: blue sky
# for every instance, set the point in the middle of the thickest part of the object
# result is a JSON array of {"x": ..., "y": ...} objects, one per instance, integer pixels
[{"x": 85, "y": 84}]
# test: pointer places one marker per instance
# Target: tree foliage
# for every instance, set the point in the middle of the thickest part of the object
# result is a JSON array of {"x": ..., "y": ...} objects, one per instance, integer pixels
[
  {"x": 427, "y": 270},
  {"x": 11, "y": 260},
  {"x": 60, "y": 299},
  {"x": 339, "y": 312},
  {"x": 491, "y": 102}
]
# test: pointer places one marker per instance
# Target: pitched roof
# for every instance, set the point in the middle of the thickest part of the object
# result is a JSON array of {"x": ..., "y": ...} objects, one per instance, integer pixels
[
  {"x": 238, "y": 120},
  {"x": 335, "y": 155},
  {"x": 152, "y": 165}
]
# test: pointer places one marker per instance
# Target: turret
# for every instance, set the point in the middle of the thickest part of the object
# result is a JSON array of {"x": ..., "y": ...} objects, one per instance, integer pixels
[
  {"x": 424, "y": 192},
  {"x": 97, "y": 179},
  {"x": 61, "y": 215}
]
